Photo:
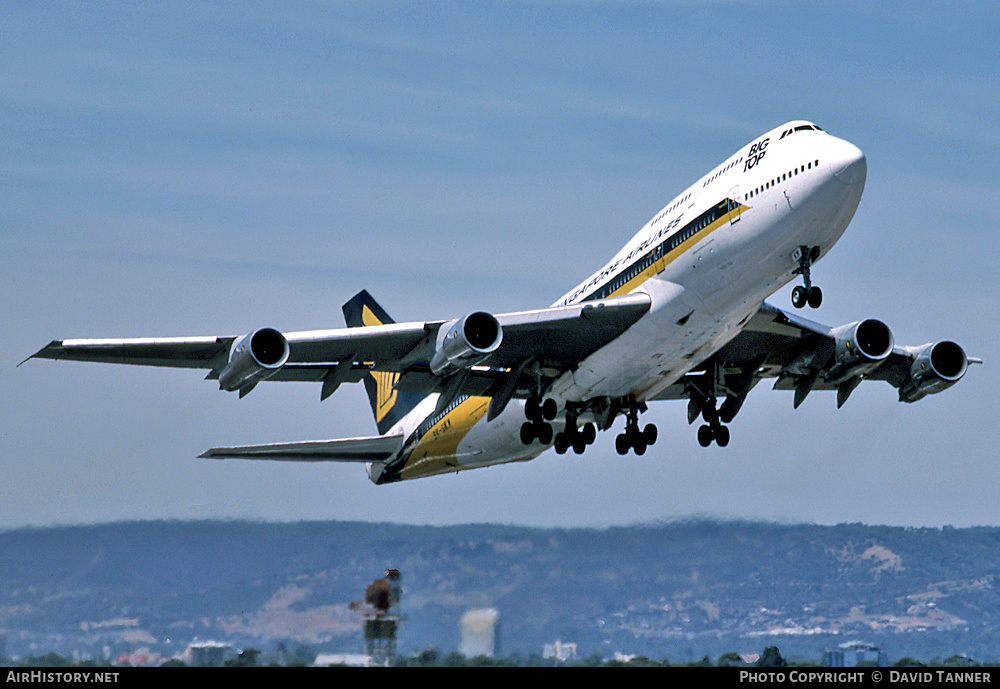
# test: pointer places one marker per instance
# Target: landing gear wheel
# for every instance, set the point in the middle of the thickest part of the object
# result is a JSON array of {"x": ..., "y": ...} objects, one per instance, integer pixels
[
  {"x": 815, "y": 297},
  {"x": 549, "y": 409},
  {"x": 532, "y": 409},
  {"x": 527, "y": 432},
  {"x": 705, "y": 436},
  {"x": 721, "y": 436},
  {"x": 622, "y": 444},
  {"x": 532, "y": 430},
  {"x": 707, "y": 433},
  {"x": 544, "y": 433},
  {"x": 561, "y": 443},
  {"x": 799, "y": 297},
  {"x": 589, "y": 434},
  {"x": 649, "y": 434}
]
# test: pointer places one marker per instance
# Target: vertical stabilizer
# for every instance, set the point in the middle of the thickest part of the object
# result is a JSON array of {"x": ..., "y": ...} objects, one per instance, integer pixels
[{"x": 388, "y": 404}]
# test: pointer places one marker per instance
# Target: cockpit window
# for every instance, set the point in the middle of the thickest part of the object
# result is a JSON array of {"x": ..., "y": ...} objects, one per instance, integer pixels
[{"x": 800, "y": 128}]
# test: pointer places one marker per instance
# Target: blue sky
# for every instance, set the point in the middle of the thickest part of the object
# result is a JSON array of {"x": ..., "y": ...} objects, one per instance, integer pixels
[{"x": 212, "y": 168}]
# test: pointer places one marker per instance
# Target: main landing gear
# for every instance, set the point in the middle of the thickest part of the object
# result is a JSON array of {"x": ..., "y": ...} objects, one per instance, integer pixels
[
  {"x": 577, "y": 437},
  {"x": 704, "y": 403},
  {"x": 808, "y": 293},
  {"x": 537, "y": 427},
  {"x": 632, "y": 438}
]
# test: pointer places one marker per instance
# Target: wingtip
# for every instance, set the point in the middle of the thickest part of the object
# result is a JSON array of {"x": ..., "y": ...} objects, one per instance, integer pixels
[{"x": 40, "y": 354}]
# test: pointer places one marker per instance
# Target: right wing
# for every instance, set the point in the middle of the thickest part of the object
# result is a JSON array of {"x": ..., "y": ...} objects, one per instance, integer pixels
[{"x": 801, "y": 356}]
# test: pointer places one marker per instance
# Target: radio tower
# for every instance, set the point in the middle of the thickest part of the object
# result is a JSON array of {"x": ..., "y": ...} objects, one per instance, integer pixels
[{"x": 381, "y": 618}]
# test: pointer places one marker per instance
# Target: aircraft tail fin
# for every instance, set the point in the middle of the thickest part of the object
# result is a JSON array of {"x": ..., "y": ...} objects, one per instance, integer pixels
[{"x": 388, "y": 404}]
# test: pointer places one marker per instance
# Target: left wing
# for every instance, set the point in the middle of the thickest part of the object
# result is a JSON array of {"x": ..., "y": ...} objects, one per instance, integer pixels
[
  {"x": 176, "y": 352},
  {"x": 802, "y": 356},
  {"x": 477, "y": 354}
]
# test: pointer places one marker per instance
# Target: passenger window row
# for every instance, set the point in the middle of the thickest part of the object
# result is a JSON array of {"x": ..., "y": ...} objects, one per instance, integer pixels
[
  {"x": 667, "y": 211},
  {"x": 722, "y": 171},
  {"x": 785, "y": 176}
]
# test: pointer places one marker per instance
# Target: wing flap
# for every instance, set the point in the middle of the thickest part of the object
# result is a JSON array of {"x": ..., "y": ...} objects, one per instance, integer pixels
[
  {"x": 566, "y": 335},
  {"x": 341, "y": 450}
]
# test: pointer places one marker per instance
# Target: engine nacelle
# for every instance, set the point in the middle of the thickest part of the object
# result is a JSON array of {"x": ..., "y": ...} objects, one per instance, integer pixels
[
  {"x": 936, "y": 367},
  {"x": 254, "y": 358},
  {"x": 466, "y": 342},
  {"x": 859, "y": 348}
]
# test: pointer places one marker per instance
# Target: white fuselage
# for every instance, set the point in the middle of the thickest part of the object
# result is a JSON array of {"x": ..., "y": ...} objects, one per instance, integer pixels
[{"x": 707, "y": 261}]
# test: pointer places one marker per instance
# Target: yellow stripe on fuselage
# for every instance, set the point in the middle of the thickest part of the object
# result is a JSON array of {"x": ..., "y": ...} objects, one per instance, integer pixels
[
  {"x": 660, "y": 264},
  {"x": 436, "y": 450}
]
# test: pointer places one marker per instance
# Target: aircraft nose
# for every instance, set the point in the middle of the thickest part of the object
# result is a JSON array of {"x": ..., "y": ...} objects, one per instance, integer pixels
[{"x": 848, "y": 164}]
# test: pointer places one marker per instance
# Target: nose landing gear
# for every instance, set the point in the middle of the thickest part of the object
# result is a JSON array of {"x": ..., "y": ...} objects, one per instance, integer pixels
[{"x": 808, "y": 293}]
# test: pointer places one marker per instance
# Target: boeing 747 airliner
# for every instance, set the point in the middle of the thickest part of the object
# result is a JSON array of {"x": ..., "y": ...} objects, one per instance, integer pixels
[{"x": 678, "y": 314}]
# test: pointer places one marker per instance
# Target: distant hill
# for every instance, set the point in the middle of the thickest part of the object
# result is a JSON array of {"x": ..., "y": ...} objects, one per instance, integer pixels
[{"x": 677, "y": 590}]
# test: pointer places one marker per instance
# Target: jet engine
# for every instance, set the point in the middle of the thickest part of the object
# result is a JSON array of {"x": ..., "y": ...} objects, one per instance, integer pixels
[
  {"x": 465, "y": 342},
  {"x": 254, "y": 358},
  {"x": 859, "y": 348},
  {"x": 936, "y": 367}
]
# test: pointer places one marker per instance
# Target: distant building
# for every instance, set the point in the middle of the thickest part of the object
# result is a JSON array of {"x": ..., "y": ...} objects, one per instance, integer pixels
[
  {"x": 854, "y": 653},
  {"x": 480, "y": 633},
  {"x": 204, "y": 653},
  {"x": 348, "y": 659},
  {"x": 142, "y": 657},
  {"x": 560, "y": 650}
]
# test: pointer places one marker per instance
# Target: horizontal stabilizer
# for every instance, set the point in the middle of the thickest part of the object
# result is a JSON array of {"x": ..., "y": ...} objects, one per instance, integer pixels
[{"x": 342, "y": 450}]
